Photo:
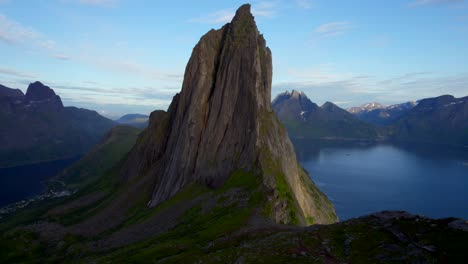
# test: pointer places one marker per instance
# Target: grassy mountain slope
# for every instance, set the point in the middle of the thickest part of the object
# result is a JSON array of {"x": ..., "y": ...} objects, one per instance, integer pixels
[{"x": 115, "y": 145}]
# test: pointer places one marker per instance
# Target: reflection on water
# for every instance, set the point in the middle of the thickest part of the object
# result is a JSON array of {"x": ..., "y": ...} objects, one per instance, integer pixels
[{"x": 362, "y": 177}]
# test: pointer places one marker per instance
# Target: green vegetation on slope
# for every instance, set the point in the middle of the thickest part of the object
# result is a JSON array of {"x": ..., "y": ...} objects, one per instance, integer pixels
[
  {"x": 115, "y": 145},
  {"x": 213, "y": 214},
  {"x": 283, "y": 205}
]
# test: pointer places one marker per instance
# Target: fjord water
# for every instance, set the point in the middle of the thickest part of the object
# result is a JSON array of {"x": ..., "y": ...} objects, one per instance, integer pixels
[
  {"x": 22, "y": 182},
  {"x": 361, "y": 178}
]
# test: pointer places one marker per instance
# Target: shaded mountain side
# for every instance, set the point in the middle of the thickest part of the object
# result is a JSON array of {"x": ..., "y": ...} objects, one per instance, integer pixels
[
  {"x": 439, "y": 120},
  {"x": 382, "y": 115},
  {"x": 305, "y": 119},
  {"x": 203, "y": 226},
  {"x": 222, "y": 123},
  {"x": 442, "y": 120},
  {"x": 36, "y": 127},
  {"x": 112, "y": 148},
  {"x": 9, "y": 92},
  {"x": 135, "y": 120}
]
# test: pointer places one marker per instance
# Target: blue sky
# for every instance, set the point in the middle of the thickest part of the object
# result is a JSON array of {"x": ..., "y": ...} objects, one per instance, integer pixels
[{"x": 122, "y": 56}]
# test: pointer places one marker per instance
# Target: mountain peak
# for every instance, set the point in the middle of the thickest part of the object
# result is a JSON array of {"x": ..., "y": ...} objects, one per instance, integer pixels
[
  {"x": 328, "y": 104},
  {"x": 222, "y": 123},
  {"x": 38, "y": 92},
  {"x": 243, "y": 13}
]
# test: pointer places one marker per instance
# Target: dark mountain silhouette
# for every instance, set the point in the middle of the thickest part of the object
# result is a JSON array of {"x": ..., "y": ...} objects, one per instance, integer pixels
[
  {"x": 442, "y": 119},
  {"x": 305, "y": 119},
  {"x": 37, "y": 127}
]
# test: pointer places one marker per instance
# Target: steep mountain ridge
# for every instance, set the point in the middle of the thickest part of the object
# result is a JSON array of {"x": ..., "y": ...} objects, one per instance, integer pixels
[
  {"x": 37, "y": 127},
  {"x": 305, "y": 119},
  {"x": 222, "y": 122}
]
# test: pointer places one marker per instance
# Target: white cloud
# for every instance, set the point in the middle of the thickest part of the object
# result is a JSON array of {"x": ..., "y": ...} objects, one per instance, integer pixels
[
  {"x": 118, "y": 100},
  {"x": 417, "y": 3},
  {"x": 306, "y": 4},
  {"x": 13, "y": 33},
  {"x": 320, "y": 73},
  {"x": 380, "y": 41},
  {"x": 261, "y": 9},
  {"x": 323, "y": 83},
  {"x": 61, "y": 57},
  {"x": 217, "y": 17},
  {"x": 333, "y": 28},
  {"x": 107, "y": 3},
  {"x": 16, "y": 73},
  {"x": 129, "y": 67},
  {"x": 264, "y": 9}
]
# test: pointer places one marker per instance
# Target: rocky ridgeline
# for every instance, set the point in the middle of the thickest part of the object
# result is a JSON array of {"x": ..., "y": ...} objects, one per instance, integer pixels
[{"x": 223, "y": 122}]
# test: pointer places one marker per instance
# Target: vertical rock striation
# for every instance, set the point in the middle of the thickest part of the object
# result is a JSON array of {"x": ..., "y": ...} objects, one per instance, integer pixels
[{"x": 222, "y": 122}]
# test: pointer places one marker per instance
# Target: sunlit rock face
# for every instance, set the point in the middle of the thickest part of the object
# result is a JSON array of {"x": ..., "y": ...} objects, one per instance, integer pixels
[{"x": 221, "y": 122}]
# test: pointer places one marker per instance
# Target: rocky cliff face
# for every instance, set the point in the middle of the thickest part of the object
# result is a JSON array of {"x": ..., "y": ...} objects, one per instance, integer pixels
[{"x": 222, "y": 122}]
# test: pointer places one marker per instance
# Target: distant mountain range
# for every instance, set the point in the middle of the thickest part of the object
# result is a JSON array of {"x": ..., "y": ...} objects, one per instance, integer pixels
[
  {"x": 442, "y": 119},
  {"x": 37, "y": 127},
  {"x": 305, "y": 119},
  {"x": 365, "y": 108},
  {"x": 379, "y": 114},
  {"x": 135, "y": 120}
]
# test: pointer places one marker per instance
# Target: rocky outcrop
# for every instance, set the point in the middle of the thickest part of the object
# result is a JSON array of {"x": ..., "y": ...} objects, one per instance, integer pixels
[
  {"x": 222, "y": 122},
  {"x": 39, "y": 94}
]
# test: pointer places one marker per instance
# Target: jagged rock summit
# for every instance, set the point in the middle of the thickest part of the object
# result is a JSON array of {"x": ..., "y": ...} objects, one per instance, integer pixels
[
  {"x": 39, "y": 93},
  {"x": 222, "y": 122}
]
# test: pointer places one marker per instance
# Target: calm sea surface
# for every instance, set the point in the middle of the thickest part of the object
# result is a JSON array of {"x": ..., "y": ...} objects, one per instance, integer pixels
[
  {"x": 24, "y": 182},
  {"x": 363, "y": 178}
]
